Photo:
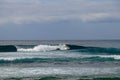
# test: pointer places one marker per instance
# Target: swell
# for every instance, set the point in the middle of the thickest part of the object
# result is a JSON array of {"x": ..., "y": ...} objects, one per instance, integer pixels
[
  {"x": 40, "y": 48},
  {"x": 88, "y": 49},
  {"x": 49, "y": 60},
  {"x": 111, "y": 51},
  {"x": 8, "y": 48}
]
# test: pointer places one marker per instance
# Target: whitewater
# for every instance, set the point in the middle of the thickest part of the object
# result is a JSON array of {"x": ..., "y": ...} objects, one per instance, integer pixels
[{"x": 44, "y": 48}]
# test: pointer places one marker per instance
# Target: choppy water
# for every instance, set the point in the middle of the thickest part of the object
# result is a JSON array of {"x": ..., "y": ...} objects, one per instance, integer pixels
[{"x": 53, "y": 60}]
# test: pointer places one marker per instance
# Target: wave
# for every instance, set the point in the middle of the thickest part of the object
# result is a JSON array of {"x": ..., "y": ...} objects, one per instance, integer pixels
[
  {"x": 49, "y": 60},
  {"x": 8, "y": 48},
  {"x": 95, "y": 50},
  {"x": 77, "y": 48},
  {"x": 43, "y": 48},
  {"x": 101, "y": 50}
]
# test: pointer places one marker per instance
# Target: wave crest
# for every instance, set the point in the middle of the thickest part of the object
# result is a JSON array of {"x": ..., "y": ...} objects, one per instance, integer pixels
[
  {"x": 55, "y": 60},
  {"x": 45, "y": 48}
]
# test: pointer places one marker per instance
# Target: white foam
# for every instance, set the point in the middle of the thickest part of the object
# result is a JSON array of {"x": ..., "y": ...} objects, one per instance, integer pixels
[
  {"x": 47, "y": 71},
  {"x": 103, "y": 56},
  {"x": 44, "y": 48},
  {"x": 110, "y": 56}
]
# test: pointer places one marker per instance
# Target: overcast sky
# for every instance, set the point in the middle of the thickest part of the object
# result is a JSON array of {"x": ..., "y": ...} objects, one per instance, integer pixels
[{"x": 59, "y": 19}]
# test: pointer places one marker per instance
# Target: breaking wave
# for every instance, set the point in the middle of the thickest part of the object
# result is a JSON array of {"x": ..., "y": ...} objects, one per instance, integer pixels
[
  {"x": 44, "y": 48},
  {"x": 49, "y": 60},
  {"x": 70, "y": 47}
]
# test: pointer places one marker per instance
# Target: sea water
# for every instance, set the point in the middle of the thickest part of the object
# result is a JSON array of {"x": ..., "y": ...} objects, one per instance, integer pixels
[{"x": 54, "y": 60}]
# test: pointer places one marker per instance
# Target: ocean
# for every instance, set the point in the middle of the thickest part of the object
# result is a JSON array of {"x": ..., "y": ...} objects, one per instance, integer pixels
[{"x": 60, "y": 60}]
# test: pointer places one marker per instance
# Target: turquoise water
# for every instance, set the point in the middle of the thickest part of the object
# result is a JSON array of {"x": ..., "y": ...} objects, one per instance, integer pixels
[{"x": 52, "y": 60}]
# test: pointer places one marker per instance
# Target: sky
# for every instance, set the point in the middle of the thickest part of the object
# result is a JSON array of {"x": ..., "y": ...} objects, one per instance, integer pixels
[{"x": 59, "y": 19}]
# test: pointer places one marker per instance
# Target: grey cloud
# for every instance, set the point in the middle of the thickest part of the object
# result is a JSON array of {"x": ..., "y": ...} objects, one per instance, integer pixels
[{"x": 28, "y": 11}]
